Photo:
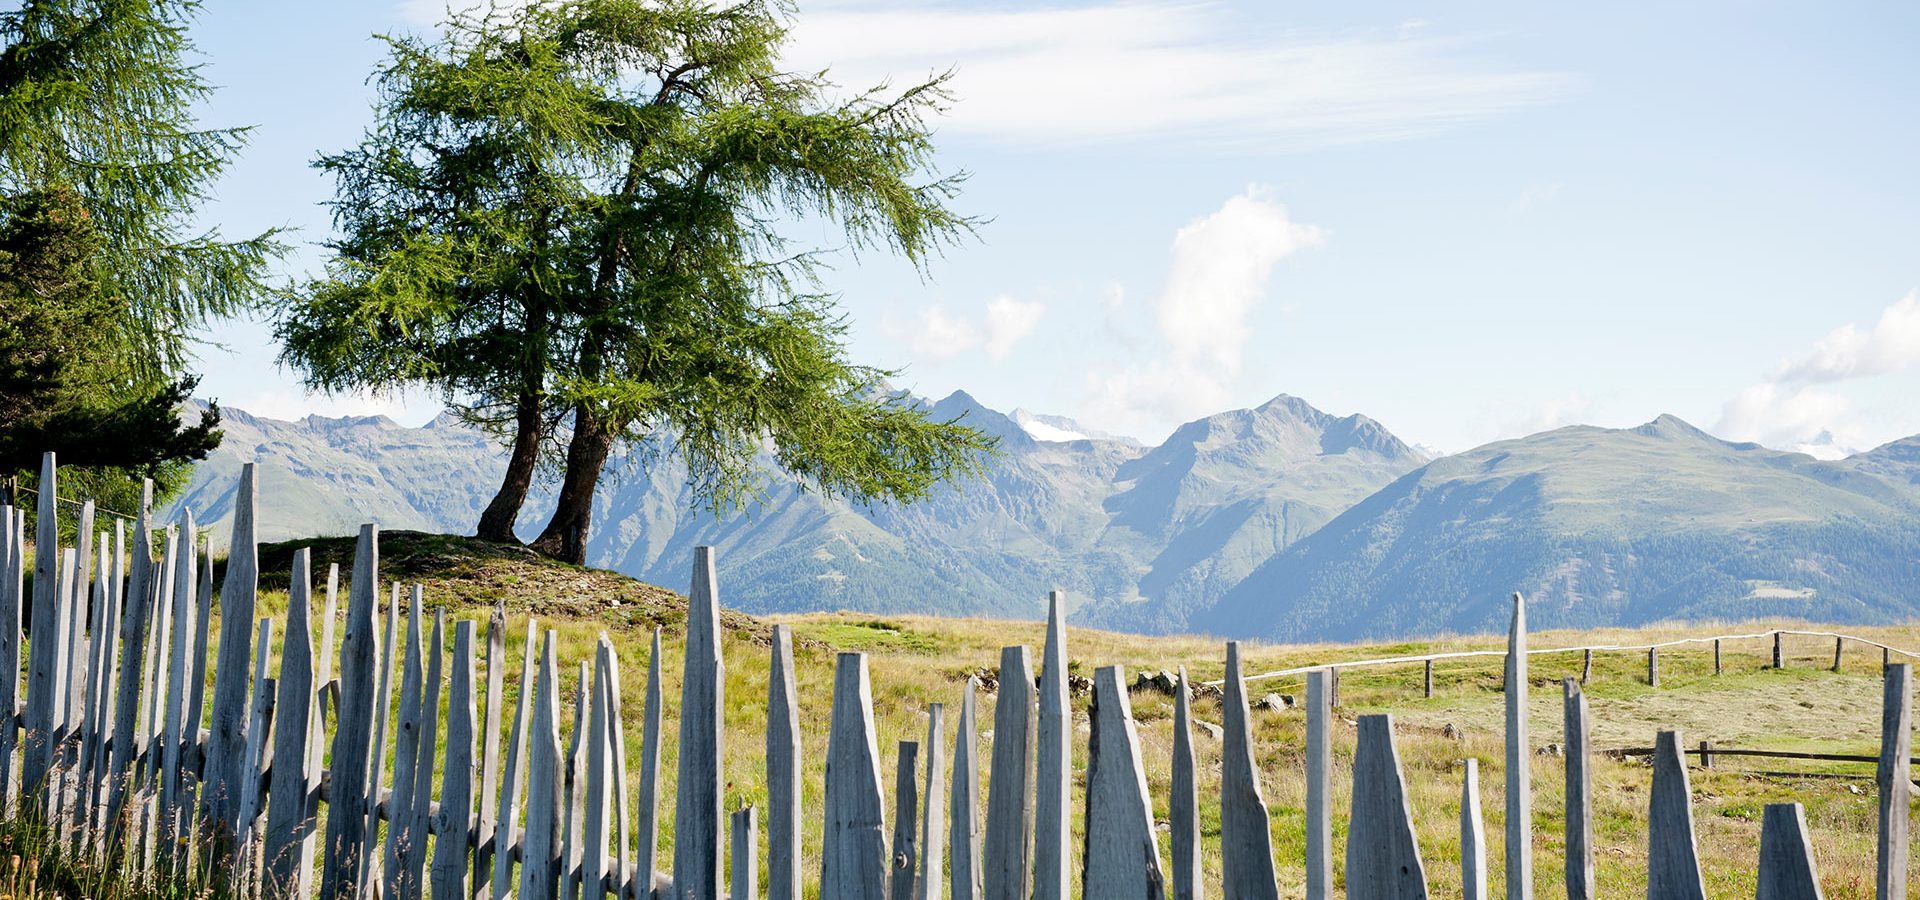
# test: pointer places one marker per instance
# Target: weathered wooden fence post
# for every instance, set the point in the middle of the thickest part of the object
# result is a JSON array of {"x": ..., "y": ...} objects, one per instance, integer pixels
[
  {"x": 383, "y": 711},
  {"x": 134, "y": 661},
  {"x": 1653, "y": 666},
  {"x": 406, "y": 754},
  {"x": 1246, "y": 841},
  {"x": 617, "y": 776},
  {"x": 1673, "y": 859},
  {"x": 43, "y": 665},
  {"x": 746, "y": 858},
  {"x": 347, "y": 800},
  {"x": 574, "y": 786},
  {"x": 513, "y": 774},
  {"x": 648, "y": 828},
  {"x": 1787, "y": 871},
  {"x": 1053, "y": 769},
  {"x": 1519, "y": 846},
  {"x": 1383, "y": 857},
  {"x": 1473, "y": 835},
  {"x": 1586, "y": 666},
  {"x": 1894, "y": 776},
  {"x": 13, "y": 558},
  {"x": 1009, "y": 838},
  {"x": 1183, "y": 809},
  {"x": 1319, "y": 786},
  {"x": 220, "y": 802},
  {"x": 783, "y": 772},
  {"x": 12, "y": 590},
  {"x": 1716, "y": 656},
  {"x": 1579, "y": 815},
  {"x": 419, "y": 809},
  {"x": 1426, "y": 682},
  {"x": 1122, "y": 858},
  {"x": 1778, "y": 659},
  {"x": 449, "y": 878},
  {"x": 540, "y": 844},
  {"x": 698, "y": 818},
  {"x": 1706, "y": 754},
  {"x": 487, "y": 823},
  {"x": 288, "y": 847},
  {"x": 964, "y": 819},
  {"x": 933, "y": 851},
  {"x": 595, "y": 864},
  {"x": 1333, "y": 685},
  {"x": 906, "y": 811},
  {"x": 1839, "y": 644},
  {"x": 853, "y": 853}
]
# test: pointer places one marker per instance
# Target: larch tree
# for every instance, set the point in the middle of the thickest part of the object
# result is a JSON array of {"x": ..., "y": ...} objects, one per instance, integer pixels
[
  {"x": 571, "y": 219},
  {"x": 106, "y": 274}
]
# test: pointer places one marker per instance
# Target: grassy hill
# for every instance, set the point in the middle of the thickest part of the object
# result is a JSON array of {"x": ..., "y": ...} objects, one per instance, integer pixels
[{"x": 918, "y": 660}]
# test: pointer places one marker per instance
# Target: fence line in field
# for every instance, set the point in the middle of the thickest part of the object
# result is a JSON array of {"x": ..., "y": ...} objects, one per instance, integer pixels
[
  {"x": 1840, "y": 638},
  {"x": 112, "y": 752}
]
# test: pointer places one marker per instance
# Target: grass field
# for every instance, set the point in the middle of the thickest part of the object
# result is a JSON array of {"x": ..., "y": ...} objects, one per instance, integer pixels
[{"x": 916, "y": 661}]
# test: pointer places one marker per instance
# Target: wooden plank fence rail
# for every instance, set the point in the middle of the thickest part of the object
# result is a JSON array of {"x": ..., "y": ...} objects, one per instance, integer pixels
[{"x": 108, "y": 743}]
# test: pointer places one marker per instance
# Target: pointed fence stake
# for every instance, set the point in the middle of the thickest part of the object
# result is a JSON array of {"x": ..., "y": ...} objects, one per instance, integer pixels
[
  {"x": 1383, "y": 857},
  {"x": 964, "y": 819},
  {"x": 1519, "y": 846},
  {"x": 540, "y": 848},
  {"x": 449, "y": 874},
  {"x": 1473, "y": 836},
  {"x": 1183, "y": 808},
  {"x": 698, "y": 818},
  {"x": 1787, "y": 871},
  {"x": 1009, "y": 837},
  {"x": 784, "y": 772},
  {"x": 347, "y": 799},
  {"x": 933, "y": 809},
  {"x": 1246, "y": 841},
  {"x": 853, "y": 856},
  {"x": 1673, "y": 859},
  {"x": 1122, "y": 853},
  {"x": 649, "y": 823},
  {"x": 1053, "y": 768},
  {"x": 906, "y": 811},
  {"x": 1579, "y": 816}
]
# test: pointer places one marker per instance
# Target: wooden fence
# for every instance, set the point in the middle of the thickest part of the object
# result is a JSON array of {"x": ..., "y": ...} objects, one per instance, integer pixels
[{"x": 113, "y": 749}]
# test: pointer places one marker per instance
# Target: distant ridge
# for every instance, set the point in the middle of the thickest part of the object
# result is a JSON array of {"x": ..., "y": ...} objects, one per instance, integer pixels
[
  {"x": 1280, "y": 521},
  {"x": 1601, "y": 527},
  {"x": 1139, "y": 536}
]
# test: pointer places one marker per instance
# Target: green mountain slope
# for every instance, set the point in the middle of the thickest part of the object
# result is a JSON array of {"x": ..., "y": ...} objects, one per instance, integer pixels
[
  {"x": 1597, "y": 526},
  {"x": 1140, "y": 537}
]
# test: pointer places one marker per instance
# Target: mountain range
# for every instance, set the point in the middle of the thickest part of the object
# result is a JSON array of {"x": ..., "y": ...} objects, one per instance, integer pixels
[{"x": 1280, "y": 522}]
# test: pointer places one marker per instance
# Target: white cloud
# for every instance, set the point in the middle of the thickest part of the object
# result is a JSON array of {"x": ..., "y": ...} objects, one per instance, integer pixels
[
  {"x": 1171, "y": 70},
  {"x": 940, "y": 335},
  {"x": 1789, "y": 410},
  {"x": 1220, "y": 269},
  {"x": 1008, "y": 322},
  {"x": 1218, "y": 274},
  {"x": 1777, "y": 416},
  {"x": 1846, "y": 352},
  {"x": 1192, "y": 73}
]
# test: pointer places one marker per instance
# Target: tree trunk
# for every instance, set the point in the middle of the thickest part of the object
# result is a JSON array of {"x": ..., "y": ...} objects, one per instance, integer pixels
[
  {"x": 565, "y": 537},
  {"x": 496, "y": 523}
]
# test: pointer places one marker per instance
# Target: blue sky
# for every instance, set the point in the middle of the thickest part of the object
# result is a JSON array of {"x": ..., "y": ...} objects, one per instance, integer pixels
[{"x": 1469, "y": 221}]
